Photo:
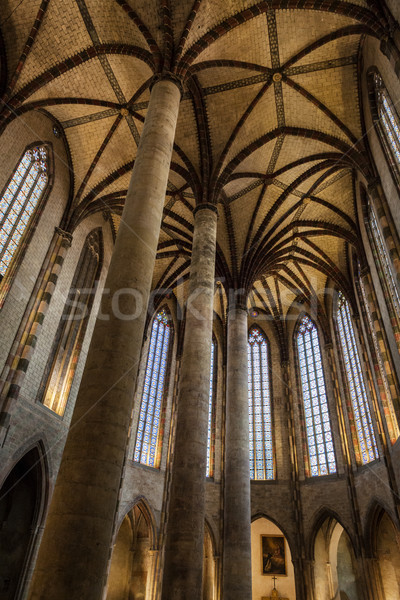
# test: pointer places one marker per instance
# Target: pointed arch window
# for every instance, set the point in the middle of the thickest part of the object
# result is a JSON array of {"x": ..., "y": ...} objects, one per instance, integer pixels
[
  {"x": 355, "y": 379},
  {"x": 386, "y": 121},
  {"x": 19, "y": 201},
  {"x": 150, "y": 428},
  {"x": 67, "y": 345},
  {"x": 212, "y": 411},
  {"x": 317, "y": 420},
  {"x": 262, "y": 464},
  {"x": 385, "y": 271}
]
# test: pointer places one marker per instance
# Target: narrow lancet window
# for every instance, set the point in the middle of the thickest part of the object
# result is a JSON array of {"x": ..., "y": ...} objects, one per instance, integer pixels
[
  {"x": 211, "y": 412},
  {"x": 149, "y": 433},
  {"x": 389, "y": 118},
  {"x": 355, "y": 379},
  {"x": 317, "y": 421},
  {"x": 260, "y": 413},
  {"x": 61, "y": 367},
  {"x": 385, "y": 263},
  {"x": 19, "y": 201}
]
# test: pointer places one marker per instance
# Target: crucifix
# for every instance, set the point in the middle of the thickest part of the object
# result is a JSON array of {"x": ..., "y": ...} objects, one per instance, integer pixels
[{"x": 274, "y": 580}]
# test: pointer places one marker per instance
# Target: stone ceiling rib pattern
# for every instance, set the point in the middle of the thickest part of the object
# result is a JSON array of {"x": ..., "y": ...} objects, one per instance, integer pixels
[{"x": 269, "y": 125}]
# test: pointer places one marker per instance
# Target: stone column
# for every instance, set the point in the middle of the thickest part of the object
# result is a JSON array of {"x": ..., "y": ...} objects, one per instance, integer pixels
[
  {"x": 185, "y": 525},
  {"x": 236, "y": 575},
  {"x": 25, "y": 341},
  {"x": 73, "y": 556}
]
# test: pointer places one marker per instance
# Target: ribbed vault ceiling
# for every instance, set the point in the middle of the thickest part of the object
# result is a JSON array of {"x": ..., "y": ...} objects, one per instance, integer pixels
[{"x": 269, "y": 124}]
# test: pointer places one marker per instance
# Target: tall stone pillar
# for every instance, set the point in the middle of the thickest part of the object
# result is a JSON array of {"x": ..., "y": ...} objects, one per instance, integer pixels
[
  {"x": 183, "y": 563},
  {"x": 73, "y": 556},
  {"x": 25, "y": 341},
  {"x": 236, "y": 574}
]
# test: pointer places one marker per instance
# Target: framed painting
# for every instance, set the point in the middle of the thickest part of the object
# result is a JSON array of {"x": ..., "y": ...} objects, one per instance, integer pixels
[{"x": 273, "y": 555}]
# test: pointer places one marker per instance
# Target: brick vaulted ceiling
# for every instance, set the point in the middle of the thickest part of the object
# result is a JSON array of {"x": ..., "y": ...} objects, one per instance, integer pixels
[{"x": 269, "y": 124}]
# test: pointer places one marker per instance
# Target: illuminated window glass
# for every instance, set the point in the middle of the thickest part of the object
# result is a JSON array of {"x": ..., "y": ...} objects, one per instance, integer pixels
[
  {"x": 385, "y": 261},
  {"x": 358, "y": 394},
  {"x": 260, "y": 413},
  {"x": 19, "y": 201},
  {"x": 317, "y": 421},
  {"x": 211, "y": 412},
  {"x": 388, "y": 117},
  {"x": 148, "y": 434}
]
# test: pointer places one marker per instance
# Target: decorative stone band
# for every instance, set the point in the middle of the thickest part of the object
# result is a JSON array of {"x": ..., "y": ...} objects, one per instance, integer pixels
[
  {"x": 33, "y": 323},
  {"x": 205, "y": 205},
  {"x": 167, "y": 76}
]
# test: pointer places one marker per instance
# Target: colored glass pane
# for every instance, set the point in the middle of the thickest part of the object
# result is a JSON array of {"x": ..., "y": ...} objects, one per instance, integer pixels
[
  {"x": 148, "y": 433},
  {"x": 211, "y": 414},
  {"x": 385, "y": 261},
  {"x": 19, "y": 201},
  {"x": 260, "y": 414},
  {"x": 317, "y": 421},
  {"x": 358, "y": 394}
]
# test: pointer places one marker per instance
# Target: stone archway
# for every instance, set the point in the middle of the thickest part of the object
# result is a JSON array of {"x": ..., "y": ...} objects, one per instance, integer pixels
[
  {"x": 132, "y": 559},
  {"x": 388, "y": 556},
  {"x": 209, "y": 567},
  {"x": 335, "y": 573},
  {"x": 21, "y": 498}
]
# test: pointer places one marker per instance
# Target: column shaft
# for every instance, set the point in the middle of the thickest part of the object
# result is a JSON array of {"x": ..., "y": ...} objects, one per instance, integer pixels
[
  {"x": 73, "y": 556},
  {"x": 237, "y": 513},
  {"x": 185, "y": 526}
]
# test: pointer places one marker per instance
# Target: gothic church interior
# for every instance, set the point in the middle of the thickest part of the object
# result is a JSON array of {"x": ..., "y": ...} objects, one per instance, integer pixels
[{"x": 200, "y": 299}]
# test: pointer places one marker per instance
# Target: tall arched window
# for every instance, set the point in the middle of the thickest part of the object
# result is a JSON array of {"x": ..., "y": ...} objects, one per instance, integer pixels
[
  {"x": 355, "y": 379},
  {"x": 262, "y": 464},
  {"x": 149, "y": 432},
  {"x": 386, "y": 121},
  {"x": 19, "y": 201},
  {"x": 211, "y": 411},
  {"x": 60, "y": 369},
  {"x": 317, "y": 421},
  {"x": 384, "y": 263}
]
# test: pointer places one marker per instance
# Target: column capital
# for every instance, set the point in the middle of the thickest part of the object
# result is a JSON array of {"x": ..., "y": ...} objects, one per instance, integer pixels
[
  {"x": 168, "y": 76},
  {"x": 205, "y": 205},
  {"x": 328, "y": 346},
  {"x": 236, "y": 305},
  {"x": 67, "y": 237}
]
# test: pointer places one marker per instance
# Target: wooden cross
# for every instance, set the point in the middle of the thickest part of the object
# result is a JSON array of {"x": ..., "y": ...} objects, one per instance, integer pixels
[{"x": 274, "y": 579}]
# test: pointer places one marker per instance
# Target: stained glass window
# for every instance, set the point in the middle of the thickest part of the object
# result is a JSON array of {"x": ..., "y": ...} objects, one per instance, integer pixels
[
  {"x": 148, "y": 440},
  {"x": 211, "y": 412},
  {"x": 317, "y": 420},
  {"x": 385, "y": 261},
  {"x": 389, "y": 409},
  {"x": 358, "y": 394},
  {"x": 19, "y": 201},
  {"x": 260, "y": 413},
  {"x": 388, "y": 118}
]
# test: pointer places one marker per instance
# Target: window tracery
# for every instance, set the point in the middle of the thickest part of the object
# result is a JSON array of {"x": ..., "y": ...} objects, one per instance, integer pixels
[
  {"x": 317, "y": 421},
  {"x": 149, "y": 432},
  {"x": 356, "y": 385},
  {"x": 260, "y": 411},
  {"x": 388, "y": 117},
  {"x": 19, "y": 201},
  {"x": 385, "y": 263}
]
